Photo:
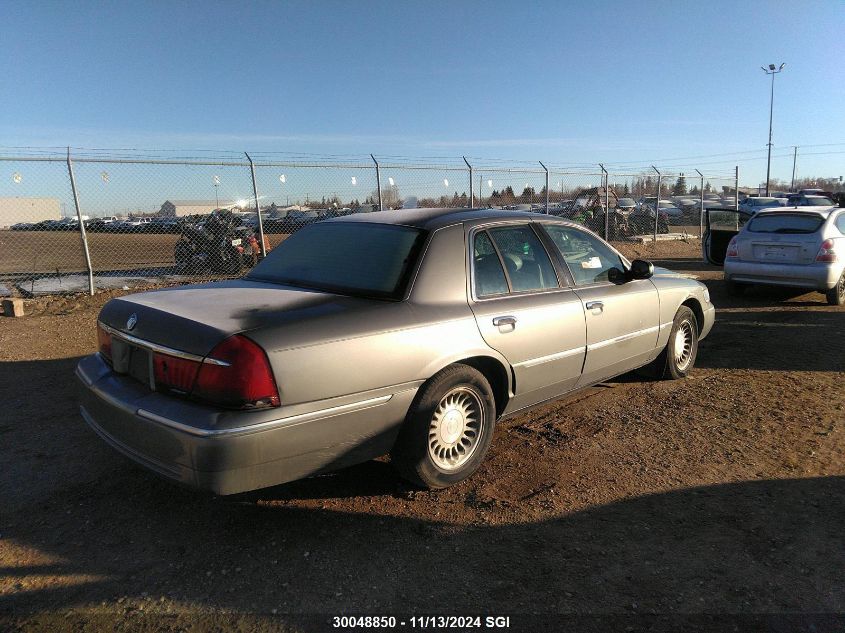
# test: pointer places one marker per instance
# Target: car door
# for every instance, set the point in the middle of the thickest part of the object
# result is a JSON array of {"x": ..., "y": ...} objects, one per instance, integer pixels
[
  {"x": 623, "y": 319},
  {"x": 720, "y": 226},
  {"x": 526, "y": 310}
]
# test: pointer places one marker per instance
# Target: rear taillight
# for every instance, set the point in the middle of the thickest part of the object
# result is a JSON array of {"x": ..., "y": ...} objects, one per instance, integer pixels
[
  {"x": 237, "y": 373},
  {"x": 732, "y": 250},
  {"x": 826, "y": 252},
  {"x": 103, "y": 342},
  {"x": 174, "y": 374}
]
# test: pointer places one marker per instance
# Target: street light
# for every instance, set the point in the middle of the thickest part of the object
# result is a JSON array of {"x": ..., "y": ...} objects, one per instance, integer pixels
[{"x": 772, "y": 70}]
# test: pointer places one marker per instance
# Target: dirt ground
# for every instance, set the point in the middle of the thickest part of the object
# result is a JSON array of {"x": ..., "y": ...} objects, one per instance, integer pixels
[
  {"x": 51, "y": 251},
  {"x": 636, "y": 505}
]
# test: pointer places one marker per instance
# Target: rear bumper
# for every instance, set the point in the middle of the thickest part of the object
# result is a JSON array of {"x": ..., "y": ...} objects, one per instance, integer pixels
[
  {"x": 815, "y": 276},
  {"x": 227, "y": 452}
]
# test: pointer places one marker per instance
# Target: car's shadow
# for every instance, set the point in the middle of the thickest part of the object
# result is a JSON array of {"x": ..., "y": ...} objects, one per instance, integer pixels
[{"x": 748, "y": 547}]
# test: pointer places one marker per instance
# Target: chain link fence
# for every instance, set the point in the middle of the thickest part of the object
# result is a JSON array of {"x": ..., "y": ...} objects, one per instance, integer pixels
[{"x": 79, "y": 223}]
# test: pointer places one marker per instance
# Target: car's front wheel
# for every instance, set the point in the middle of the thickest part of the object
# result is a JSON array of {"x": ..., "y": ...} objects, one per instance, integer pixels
[
  {"x": 448, "y": 429},
  {"x": 836, "y": 295},
  {"x": 678, "y": 357}
]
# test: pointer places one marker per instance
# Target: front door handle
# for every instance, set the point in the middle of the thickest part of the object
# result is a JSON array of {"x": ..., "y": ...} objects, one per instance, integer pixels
[
  {"x": 504, "y": 320},
  {"x": 595, "y": 305}
]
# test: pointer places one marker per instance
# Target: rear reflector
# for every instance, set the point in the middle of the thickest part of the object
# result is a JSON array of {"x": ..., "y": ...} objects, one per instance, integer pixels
[
  {"x": 826, "y": 253},
  {"x": 241, "y": 377}
]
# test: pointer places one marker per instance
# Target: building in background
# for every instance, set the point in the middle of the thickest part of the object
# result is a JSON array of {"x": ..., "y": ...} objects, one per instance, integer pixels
[
  {"x": 181, "y": 208},
  {"x": 15, "y": 209}
]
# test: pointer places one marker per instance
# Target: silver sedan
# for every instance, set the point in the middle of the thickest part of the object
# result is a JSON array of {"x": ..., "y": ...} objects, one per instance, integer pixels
[{"x": 404, "y": 332}]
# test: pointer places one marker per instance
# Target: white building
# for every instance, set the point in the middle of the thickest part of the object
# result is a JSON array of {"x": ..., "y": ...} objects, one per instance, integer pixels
[
  {"x": 16, "y": 209},
  {"x": 181, "y": 208}
]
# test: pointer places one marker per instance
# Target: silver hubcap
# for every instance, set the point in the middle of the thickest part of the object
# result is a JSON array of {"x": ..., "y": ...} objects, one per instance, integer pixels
[
  {"x": 682, "y": 345},
  {"x": 842, "y": 285},
  {"x": 455, "y": 428}
]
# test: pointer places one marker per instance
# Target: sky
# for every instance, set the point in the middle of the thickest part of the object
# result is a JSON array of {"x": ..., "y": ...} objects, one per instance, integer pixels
[{"x": 628, "y": 84}]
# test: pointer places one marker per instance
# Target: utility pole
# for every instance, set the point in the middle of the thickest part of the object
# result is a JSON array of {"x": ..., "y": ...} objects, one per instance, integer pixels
[{"x": 794, "y": 160}]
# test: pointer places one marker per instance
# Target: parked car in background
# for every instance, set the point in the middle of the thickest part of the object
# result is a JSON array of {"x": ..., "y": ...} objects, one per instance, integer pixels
[
  {"x": 626, "y": 206},
  {"x": 807, "y": 200},
  {"x": 22, "y": 226},
  {"x": 413, "y": 339},
  {"x": 754, "y": 204},
  {"x": 796, "y": 247},
  {"x": 162, "y": 225},
  {"x": 641, "y": 220}
]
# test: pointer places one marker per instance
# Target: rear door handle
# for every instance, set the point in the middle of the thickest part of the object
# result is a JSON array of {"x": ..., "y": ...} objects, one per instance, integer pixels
[
  {"x": 504, "y": 320},
  {"x": 595, "y": 305}
]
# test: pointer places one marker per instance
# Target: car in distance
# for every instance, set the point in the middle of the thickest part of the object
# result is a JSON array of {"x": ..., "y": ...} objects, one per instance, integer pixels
[
  {"x": 799, "y": 247},
  {"x": 755, "y": 203},
  {"x": 405, "y": 332},
  {"x": 807, "y": 200}
]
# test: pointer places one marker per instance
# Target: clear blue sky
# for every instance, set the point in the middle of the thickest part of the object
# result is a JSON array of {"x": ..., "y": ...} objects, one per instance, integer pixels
[{"x": 562, "y": 82}]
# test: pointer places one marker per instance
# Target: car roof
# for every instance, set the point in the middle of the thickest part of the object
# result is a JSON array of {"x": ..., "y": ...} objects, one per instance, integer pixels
[{"x": 432, "y": 219}]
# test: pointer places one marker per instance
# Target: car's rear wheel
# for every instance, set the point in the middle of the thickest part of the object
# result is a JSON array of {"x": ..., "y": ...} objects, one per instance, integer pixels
[
  {"x": 734, "y": 288},
  {"x": 836, "y": 295},
  {"x": 448, "y": 429}
]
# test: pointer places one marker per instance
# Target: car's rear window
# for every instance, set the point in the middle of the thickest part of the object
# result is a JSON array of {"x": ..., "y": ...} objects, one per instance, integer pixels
[
  {"x": 355, "y": 258},
  {"x": 786, "y": 223}
]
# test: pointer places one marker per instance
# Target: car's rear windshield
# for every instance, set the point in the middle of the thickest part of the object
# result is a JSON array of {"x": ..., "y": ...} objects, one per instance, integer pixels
[
  {"x": 354, "y": 258},
  {"x": 786, "y": 223}
]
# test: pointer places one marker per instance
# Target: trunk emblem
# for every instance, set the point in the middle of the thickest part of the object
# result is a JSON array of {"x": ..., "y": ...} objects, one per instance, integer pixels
[{"x": 131, "y": 321}]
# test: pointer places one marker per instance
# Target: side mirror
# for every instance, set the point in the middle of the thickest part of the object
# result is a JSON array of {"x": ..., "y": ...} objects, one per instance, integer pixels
[
  {"x": 641, "y": 269},
  {"x": 616, "y": 276}
]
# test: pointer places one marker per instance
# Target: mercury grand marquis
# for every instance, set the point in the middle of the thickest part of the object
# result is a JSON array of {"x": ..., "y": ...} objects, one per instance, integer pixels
[{"x": 403, "y": 332}]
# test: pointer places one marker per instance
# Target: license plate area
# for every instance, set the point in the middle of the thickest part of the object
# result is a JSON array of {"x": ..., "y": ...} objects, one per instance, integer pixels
[
  {"x": 775, "y": 252},
  {"x": 133, "y": 361}
]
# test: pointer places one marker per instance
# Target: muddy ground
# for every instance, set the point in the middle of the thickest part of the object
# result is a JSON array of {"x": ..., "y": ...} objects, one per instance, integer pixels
[{"x": 633, "y": 505}]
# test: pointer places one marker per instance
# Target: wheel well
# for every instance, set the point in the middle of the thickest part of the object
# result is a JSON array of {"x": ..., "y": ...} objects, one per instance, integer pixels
[
  {"x": 695, "y": 306},
  {"x": 495, "y": 374}
]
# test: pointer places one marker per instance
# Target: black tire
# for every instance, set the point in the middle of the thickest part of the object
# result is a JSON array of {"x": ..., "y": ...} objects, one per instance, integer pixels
[
  {"x": 734, "y": 288},
  {"x": 836, "y": 295},
  {"x": 668, "y": 366},
  {"x": 412, "y": 455}
]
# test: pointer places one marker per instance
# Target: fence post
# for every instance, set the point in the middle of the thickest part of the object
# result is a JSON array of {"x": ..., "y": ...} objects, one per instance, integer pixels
[
  {"x": 701, "y": 206},
  {"x": 546, "y": 169},
  {"x": 656, "y": 203},
  {"x": 82, "y": 232},
  {"x": 736, "y": 188},
  {"x": 606, "y": 179},
  {"x": 471, "y": 196},
  {"x": 257, "y": 207},
  {"x": 378, "y": 182}
]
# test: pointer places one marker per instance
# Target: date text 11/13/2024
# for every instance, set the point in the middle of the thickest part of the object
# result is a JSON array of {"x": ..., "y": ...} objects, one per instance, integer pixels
[{"x": 422, "y": 622}]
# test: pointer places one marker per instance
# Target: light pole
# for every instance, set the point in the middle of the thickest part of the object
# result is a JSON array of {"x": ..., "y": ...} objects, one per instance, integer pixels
[{"x": 772, "y": 70}]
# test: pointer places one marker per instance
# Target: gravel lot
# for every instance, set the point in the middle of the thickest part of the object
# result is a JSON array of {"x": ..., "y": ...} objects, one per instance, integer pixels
[{"x": 720, "y": 494}]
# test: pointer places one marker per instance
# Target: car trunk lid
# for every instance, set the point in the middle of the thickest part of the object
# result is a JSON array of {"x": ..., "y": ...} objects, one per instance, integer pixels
[{"x": 193, "y": 319}]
